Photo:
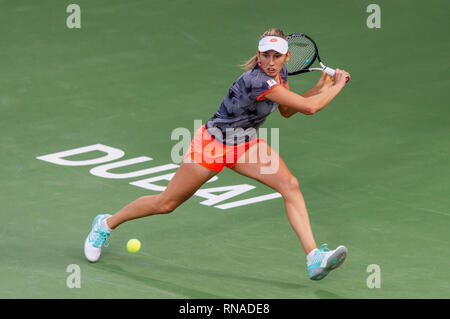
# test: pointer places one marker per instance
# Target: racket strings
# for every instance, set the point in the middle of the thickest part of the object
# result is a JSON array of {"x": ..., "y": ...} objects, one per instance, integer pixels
[{"x": 303, "y": 53}]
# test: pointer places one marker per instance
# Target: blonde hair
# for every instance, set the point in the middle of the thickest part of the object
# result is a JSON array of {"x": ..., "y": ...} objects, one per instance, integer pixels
[{"x": 250, "y": 64}]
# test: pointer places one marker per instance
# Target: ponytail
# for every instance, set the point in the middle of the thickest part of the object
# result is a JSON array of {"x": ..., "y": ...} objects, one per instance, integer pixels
[{"x": 250, "y": 64}]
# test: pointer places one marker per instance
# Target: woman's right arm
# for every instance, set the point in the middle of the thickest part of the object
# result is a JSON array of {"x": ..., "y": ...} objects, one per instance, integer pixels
[{"x": 311, "y": 104}]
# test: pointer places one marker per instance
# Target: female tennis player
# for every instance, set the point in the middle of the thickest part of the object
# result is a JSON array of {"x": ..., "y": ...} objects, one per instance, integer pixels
[{"x": 228, "y": 137}]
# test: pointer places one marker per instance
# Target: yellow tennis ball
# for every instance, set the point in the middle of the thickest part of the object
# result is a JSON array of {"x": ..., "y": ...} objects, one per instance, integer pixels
[{"x": 133, "y": 245}]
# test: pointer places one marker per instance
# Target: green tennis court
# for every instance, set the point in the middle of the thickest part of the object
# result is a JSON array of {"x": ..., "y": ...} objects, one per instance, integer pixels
[{"x": 373, "y": 166}]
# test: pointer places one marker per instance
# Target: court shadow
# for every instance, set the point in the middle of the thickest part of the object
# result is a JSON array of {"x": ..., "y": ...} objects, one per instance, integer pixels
[
  {"x": 228, "y": 276},
  {"x": 178, "y": 290},
  {"x": 323, "y": 294},
  {"x": 172, "y": 289}
]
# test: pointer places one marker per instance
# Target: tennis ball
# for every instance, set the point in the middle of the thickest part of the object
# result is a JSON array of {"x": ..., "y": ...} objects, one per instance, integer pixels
[{"x": 133, "y": 245}]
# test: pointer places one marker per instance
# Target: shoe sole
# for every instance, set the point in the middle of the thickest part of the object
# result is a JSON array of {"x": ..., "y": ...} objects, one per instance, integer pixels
[
  {"x": 333, "y": 262},
  {"x": 337, "y": 258},
  {"x": 89, "y": 259}
]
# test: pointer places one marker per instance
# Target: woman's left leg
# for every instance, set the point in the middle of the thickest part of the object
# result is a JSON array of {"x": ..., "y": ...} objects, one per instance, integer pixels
[{"x": 269, "y": 168}]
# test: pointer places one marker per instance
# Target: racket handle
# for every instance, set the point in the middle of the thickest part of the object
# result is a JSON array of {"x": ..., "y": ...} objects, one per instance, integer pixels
[{"x": 330, "y": 71}]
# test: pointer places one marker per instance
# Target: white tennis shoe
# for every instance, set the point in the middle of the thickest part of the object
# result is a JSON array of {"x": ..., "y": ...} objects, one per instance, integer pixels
[
  {"x": 325, "y": 260},
  {"x": 98, "y": 237}
]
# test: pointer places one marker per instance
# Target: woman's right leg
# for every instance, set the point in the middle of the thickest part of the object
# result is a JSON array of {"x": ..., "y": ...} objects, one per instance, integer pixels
[{"x": 187, "y": 180}]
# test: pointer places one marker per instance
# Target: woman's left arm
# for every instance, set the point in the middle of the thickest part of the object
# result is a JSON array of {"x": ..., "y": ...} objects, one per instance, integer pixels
[{"x": 323, "y": 83}]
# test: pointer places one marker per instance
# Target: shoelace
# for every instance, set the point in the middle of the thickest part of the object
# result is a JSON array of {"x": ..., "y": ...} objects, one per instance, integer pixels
[
  {"x": 101, "y": 237},
  {"x": 318, "y": 256},
  {"x": 324, "y": 248}
]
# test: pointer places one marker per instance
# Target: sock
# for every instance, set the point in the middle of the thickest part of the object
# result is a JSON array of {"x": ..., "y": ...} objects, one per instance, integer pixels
[
  {"x": 105, "y": 225},
  {"x": 310, "y": 256}
]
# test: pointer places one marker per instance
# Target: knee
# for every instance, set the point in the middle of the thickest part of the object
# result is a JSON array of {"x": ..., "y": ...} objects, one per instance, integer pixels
[
  {"x": 157, "y": 204},
  {"x": 168, "y": 205},
  {"x": 291, "y": 185}
]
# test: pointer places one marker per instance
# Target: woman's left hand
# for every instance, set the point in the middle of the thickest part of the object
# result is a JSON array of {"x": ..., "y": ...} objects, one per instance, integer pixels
[{"x": 324, "y": 83}]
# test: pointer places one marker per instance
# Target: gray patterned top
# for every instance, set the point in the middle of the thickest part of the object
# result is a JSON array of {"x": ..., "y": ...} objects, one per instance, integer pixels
[{"x": 244, "y": 109}]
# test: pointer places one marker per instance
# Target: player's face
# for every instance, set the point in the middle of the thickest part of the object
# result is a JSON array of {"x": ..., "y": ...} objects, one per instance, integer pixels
[{"x": 272, "y": 62}]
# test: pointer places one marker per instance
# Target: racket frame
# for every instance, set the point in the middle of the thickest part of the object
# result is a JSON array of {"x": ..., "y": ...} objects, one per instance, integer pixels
[{"x": 307, "y": 68}]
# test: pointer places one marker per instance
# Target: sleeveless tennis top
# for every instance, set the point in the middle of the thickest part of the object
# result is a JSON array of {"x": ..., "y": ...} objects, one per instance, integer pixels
[{"x": 244, "y": 108}]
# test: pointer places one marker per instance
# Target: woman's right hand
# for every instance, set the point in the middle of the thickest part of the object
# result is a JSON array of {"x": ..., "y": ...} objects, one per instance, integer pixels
[{"x": 340, "y": 77}]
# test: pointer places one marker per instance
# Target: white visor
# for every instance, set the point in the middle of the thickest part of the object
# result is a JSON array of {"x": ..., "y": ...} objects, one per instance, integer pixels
[{"x": 273, "y": 43}]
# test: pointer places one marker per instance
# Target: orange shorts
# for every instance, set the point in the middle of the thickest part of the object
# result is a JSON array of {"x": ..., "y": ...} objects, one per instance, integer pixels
[{"x": 214, "y": 155}]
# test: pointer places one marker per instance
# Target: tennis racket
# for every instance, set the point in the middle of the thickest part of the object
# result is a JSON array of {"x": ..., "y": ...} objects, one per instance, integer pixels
[{"x": 303, "y": 54}]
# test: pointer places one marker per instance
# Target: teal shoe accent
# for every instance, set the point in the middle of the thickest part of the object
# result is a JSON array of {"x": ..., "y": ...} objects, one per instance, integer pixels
[
  {"x": 99, "y": 236},
  {"x": 315, "y": 271}
]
